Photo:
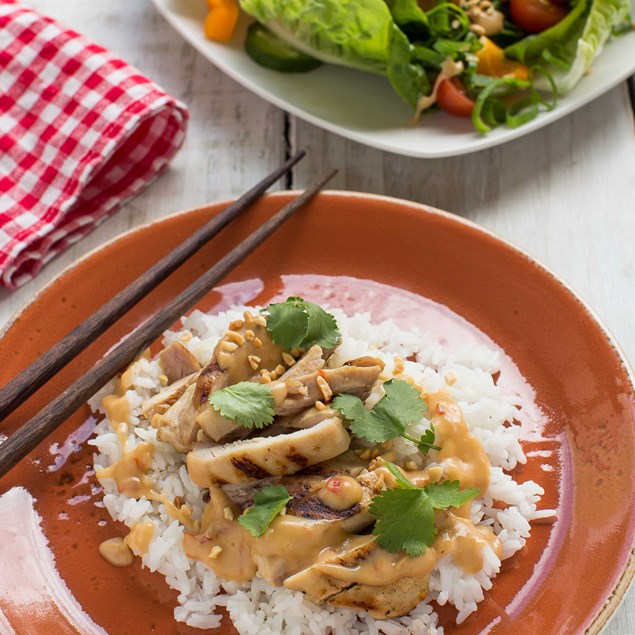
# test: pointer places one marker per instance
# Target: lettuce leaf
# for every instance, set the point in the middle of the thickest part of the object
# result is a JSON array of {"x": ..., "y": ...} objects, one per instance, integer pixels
[
  {"x": 407, "y": 12},
  {"x": 360, "y": 34},
  {"x": 605, "y": 15},
  {"x": 577, "y": 40}
]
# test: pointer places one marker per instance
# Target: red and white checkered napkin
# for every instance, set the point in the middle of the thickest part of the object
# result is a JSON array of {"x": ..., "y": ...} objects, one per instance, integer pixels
[{"x": 81, "y": 132}]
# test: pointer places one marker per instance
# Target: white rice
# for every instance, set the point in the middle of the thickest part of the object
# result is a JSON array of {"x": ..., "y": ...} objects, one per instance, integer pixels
[{"x": 257, "y": 608}]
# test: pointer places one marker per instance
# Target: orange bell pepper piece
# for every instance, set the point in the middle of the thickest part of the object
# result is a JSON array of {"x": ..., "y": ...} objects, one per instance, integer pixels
[
  {"x": 221, "y": 19},
  {"x": 492, "y": 62}
]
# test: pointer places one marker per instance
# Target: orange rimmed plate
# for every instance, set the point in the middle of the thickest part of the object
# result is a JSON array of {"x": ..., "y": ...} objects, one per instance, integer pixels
[{"x": 571, "y": 575}]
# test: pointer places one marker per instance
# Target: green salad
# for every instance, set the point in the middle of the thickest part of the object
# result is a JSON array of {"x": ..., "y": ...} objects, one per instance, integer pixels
[{"x": 496, "y": 61}]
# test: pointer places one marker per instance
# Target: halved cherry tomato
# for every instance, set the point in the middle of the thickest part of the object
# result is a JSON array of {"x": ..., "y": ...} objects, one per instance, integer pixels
[
  {"x": 452, "y": 99},
  {"x": 535, "y": 16}
]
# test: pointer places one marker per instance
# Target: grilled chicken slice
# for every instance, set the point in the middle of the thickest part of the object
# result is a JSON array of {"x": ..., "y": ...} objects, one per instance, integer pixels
[
  {"x": 305, "y": 503},
  {"x": 177, "y": 362},
  {"x": 221, "y": 429},
  {"x": 252, "y": 459},
  {"x": 312, "y": 360},
  {"x": 177, "y": 425},
  {"x": 306, "y": 419},
  {"x": 333, "y": 579},
  {"x": 159, "y": 403},
  {"x": 383, "y": 602},
  {"x": 294, "y": 395}
]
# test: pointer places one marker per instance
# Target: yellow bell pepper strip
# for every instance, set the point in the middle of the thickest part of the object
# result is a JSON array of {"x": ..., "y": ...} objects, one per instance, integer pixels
[
  {"x": 492, "y": 62},
  {"x": 221, "y": 19}
]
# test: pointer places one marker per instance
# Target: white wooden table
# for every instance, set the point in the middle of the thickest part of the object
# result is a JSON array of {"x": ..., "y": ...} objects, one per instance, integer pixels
[{"x": 566, "y": 193}]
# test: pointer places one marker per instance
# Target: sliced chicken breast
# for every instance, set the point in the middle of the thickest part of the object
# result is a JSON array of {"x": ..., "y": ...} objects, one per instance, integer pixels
[
  {"x": 177, "y": 362},
  {"x": 177, "y": 426},
  {"x": 252, "y": 459}
]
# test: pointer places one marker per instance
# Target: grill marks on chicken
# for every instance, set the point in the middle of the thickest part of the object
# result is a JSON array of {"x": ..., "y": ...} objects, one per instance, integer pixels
[{"x": 251, "y": 459}]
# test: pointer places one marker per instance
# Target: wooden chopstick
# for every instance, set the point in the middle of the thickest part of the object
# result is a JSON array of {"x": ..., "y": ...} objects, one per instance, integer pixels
[
  {"x": 21, "y": 442},
  {"x": 23, "y": 385}
]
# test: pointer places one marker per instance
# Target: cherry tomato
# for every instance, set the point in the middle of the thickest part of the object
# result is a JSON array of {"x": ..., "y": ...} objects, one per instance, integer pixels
[
  {"x": 535, "y": 16},
  {"x": 452, "y": 99}
]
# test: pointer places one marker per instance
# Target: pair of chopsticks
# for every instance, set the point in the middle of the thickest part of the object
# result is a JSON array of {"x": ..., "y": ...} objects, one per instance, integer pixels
[{"x": 33, "y": 432}]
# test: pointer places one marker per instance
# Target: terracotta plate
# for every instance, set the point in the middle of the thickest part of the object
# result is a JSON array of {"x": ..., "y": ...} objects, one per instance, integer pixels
[{"x": 437, "y": 267}]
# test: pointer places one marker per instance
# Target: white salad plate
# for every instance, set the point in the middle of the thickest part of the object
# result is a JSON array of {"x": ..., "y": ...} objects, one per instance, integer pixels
[{"x": 364, "y": 108}]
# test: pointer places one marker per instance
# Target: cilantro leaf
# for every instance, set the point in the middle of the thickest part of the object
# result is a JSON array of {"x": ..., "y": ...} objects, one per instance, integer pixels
[
  {"x": 402, "y": 401},
  {"x": 249, "y": 404},
  {"x": 426, "y": 442},
  {"x": 405, "y": 515},
  {"x": 402, "y": 481},
  {"x": 288, "y": 322},
  {"x": 268, "y": 503},
  {"x": 405, "y": 521},
  {"x": 321, "y": 328},
  {"x": 400, "y": 406},
  {"x": 297, "y": 323},
  {"x": 447, "y": 494}
]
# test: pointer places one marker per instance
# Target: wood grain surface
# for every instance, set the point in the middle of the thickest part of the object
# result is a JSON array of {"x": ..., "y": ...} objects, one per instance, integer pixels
[{"x": 565, "y": 194}]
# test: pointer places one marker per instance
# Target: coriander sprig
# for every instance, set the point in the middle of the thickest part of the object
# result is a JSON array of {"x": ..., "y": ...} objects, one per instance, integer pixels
[
  {"x": 389, "y": 417},
  {"x": 405, "y": 514},
  {"x": 247, "y": 403},
  {"x": 297, "y": 323},
  {"x": 268, "y": 503}
]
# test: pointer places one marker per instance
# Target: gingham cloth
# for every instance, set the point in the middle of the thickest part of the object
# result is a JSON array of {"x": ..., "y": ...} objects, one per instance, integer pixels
[{"x": 81, "y": 132}]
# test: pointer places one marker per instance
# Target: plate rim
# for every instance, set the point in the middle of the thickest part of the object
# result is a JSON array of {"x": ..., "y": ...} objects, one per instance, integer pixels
[
  {"x": 617, "y": 594},
  {"x": 481, "y": 142}
]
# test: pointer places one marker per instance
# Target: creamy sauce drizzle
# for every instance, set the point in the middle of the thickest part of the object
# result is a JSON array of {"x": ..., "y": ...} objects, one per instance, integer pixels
[
  {"x": 340, "y": 492},
  {"x": 130, "y": 471},
  {"x": 291, "y": 544}
]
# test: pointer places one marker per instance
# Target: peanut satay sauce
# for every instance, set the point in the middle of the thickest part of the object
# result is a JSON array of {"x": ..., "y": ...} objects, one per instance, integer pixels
[
  {"x": 291, "y": 544},
  {"x": 130, "y": 476}
]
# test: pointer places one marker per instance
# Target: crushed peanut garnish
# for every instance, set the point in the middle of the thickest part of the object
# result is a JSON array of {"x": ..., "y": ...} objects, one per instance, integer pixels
[
  {"x": 215, "y": 551},
  {"x": 325, "y": 389},
  {"x": 450, "y": 378},
  {"x": 253, "y": 360},
  {"x": 265, "y": 376},
  {"x": 163, "y": 380},
  {"x": 186, "y": 336},
  {"x": 257, "y": 342},
  {"x": 249, "y": 335},
  {"x": 228, "y": 513},
  {"x": 288, "y": 359},
  {"x": 410, "y": 465},
  {"x": 234, "y": 337},
  {"x": 319, "y": 405},
  {"x": 228, "y": 347}
]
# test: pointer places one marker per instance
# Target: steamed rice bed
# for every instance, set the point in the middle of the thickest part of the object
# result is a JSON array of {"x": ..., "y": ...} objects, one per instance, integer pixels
[{"x": 257, "y": 607}]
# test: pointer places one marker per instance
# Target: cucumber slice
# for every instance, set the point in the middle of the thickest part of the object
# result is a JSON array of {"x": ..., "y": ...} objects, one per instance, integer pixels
[{"x": 268, "y": 50}]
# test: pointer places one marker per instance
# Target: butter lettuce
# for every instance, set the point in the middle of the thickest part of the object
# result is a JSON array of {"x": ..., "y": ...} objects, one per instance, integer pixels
[
  {"x": 361, "y": 34},
  {"x": 574, "y": 43}
]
